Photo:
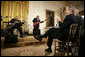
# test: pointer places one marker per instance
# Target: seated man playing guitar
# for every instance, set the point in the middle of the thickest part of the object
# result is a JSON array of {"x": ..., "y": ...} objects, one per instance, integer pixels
[{"x": 15, "y": 23}]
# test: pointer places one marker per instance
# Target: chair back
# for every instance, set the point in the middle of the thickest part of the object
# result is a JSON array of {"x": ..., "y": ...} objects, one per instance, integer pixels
[
  {"x": 72, "y": 31},
  {"x": 71, "y": 36}
]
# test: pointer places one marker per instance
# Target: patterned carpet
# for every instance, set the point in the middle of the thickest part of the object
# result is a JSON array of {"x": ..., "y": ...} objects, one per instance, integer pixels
[
  {"x": 34, "y": 50},
  {"x": 27, "y": 46}
]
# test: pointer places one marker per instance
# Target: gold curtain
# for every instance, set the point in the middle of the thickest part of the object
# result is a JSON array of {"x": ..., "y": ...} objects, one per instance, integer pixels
[{"x": 12, "y": 9}]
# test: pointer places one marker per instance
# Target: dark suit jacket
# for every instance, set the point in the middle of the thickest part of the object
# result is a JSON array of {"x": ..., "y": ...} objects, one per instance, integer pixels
[
  {"x": 65, "y": 26},
  {"x": 17, "y": 24},
  {"x": 13, "y": 20},
  {"x": 82, "y": 39},
  {"x": 62, "y": 32},
  {"x": 80, "y": 20}
]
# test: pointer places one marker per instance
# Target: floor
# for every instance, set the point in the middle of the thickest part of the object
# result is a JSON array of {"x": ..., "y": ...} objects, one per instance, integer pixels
[
  {"x": 27, "y": 46},
  {"x": 33, "y": 50}
]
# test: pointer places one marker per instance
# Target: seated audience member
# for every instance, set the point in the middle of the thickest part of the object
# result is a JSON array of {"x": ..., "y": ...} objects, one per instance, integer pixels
[
  {"x": 82, "y": 39},
  {"x": 62, "y": 32}
]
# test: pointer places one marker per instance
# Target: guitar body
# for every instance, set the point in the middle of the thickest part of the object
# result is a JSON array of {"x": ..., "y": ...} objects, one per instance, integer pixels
[{"x": 36, "y": 23}]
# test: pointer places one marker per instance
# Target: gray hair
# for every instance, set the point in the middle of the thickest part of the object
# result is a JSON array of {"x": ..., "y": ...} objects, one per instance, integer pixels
[{"x": 71, "y": 7}]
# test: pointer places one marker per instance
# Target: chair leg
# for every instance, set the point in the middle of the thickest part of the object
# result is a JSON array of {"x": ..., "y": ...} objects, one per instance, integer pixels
[
  {"x": 55, "y": 49},
  {"x": 67, "y": 48}
]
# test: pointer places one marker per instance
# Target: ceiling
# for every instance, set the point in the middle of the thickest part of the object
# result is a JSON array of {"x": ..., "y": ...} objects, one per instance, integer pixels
[{"x": 78, "y": 4}]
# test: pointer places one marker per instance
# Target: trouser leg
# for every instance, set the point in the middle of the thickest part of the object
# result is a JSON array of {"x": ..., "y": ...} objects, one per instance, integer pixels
[
  {"x": 47, "y": 33},
  {"x": 49, "y": 42}
]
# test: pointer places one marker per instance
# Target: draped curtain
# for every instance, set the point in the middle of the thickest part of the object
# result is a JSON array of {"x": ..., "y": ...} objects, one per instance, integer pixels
[{"x": 12, "y": 9}]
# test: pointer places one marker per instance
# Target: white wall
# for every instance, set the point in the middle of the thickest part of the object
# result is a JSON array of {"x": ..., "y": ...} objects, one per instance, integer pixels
[{"x": 38, "y": 8}]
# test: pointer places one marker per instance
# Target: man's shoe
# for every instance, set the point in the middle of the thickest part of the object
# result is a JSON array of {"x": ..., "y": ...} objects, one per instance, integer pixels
[
  {"x": 45, "y": 36},
  {"x": 21, "y": 36},
  {"x": 48, "y": 50}
]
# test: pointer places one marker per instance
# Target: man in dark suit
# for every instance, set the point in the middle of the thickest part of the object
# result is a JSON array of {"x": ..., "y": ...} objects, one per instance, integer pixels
[
  {"x": 82, "y": 39},
  {"x": 62, "y": 32},
  {"x": 79, "y": 18}
]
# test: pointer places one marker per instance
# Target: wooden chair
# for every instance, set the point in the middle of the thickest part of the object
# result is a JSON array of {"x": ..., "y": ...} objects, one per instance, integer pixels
[
  {"x": 72, "y": 32},
  {"x": 77, "y": 42}
]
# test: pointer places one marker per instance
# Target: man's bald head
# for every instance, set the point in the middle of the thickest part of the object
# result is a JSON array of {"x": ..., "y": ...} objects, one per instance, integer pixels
[{"x": 16, "y": 17}]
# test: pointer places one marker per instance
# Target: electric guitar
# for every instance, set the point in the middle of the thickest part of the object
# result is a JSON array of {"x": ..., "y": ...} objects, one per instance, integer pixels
[{"x": 36, "y": 23}]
